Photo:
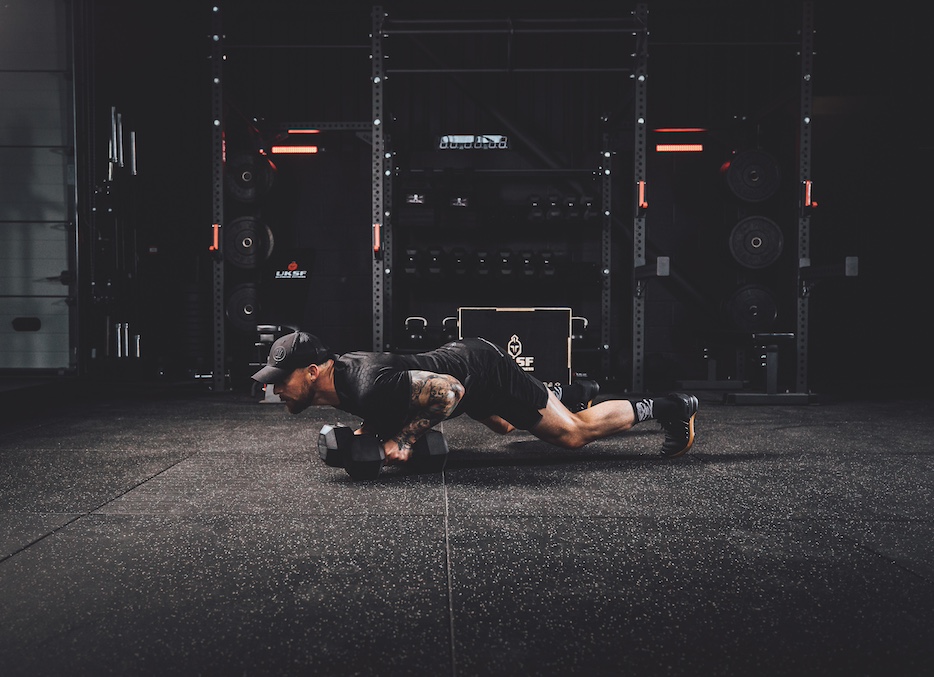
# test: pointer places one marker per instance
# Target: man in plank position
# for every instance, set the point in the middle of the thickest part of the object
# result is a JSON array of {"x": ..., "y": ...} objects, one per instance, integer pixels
[{"x": 399, "y": 397}]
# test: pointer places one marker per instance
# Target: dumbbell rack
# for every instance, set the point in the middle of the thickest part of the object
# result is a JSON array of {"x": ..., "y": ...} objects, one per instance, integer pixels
[{"x": 385, "y": 169}]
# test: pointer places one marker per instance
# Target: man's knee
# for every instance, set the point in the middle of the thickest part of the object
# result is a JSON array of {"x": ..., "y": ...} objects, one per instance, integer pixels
[
  {"x": 571, "y": 440},
  {"x": 566, "y": 436},
  {"x": 560, "y": 427}
]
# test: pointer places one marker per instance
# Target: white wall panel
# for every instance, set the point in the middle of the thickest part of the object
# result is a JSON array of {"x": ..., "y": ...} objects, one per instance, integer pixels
[
  {"x": 31, "y": 254},
  {"x": 32, "y": 111},
  {"x": 32, "y": 35},
  {"x": 36, "y": 142},
  {"x": 45, "y": 348}
]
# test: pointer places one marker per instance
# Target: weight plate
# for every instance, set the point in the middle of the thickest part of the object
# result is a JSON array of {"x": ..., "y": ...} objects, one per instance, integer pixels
[
  {"x": 243, "y": 307},
  {"x": 753, "y": 176},
  {"x": 756, "y": 242},
  {"x": 248, "y": 242},
  {"x": 751, "y": 308},
  {"x": 249, "y": 177}
]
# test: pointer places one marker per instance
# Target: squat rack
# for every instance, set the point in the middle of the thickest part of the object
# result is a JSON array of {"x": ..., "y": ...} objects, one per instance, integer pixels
[{"x": 382, "y": 162}]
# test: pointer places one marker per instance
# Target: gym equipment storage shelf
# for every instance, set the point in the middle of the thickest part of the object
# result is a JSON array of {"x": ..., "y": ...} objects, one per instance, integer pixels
[{"x": 481, "y": 194}]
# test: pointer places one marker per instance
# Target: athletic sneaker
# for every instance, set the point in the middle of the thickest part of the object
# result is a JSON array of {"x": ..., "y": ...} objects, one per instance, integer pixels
[
  {"x": 576, "y": 396},
  {"x": 590, "y": 391},
  {"x": 679, "y": 432}
]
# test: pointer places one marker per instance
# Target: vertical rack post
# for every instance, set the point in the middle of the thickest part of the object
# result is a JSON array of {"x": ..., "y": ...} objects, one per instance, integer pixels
[
  {"x": 386, "y": 248},
  {"x": 606, "y": 258},
  {"x": 379, "y": 221},
  {"x": 804, "y": 176},
  {"x": 218, "y": 376},
  {"x": 640, "y": 73}
]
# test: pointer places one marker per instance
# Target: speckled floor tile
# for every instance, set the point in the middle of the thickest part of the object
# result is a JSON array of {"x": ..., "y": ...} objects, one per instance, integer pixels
[
  {"x": 649, "y": 596},
  {"x": 119, "y": 595}
]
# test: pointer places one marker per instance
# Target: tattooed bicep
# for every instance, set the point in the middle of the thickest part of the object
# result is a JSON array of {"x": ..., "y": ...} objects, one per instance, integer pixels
[{"x": 435, "y": 391}]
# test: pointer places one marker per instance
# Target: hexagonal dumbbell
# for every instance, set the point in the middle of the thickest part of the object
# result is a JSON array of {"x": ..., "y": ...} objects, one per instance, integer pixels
[{"x": 362, "y": 456}]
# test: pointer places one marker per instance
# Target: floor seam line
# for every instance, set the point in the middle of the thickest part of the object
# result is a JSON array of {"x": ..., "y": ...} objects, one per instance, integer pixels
[
  {"x": 897, "y": 563},
  {"x": 450, "y": 575},
  {"x": 92, "y": 511}
]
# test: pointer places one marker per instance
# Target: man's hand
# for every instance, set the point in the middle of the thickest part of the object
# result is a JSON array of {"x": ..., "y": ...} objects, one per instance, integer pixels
[{"x": 396, "y": 452}]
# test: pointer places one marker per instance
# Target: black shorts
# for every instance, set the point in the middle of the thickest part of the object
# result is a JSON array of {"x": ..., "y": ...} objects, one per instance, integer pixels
[{"x": 502, "y": 388}]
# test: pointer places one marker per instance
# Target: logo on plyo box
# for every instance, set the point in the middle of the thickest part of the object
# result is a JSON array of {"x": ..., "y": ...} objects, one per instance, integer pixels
[{"x": 514, "y": 348}]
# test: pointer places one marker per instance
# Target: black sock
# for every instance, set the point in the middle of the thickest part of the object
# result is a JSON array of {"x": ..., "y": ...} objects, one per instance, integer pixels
[
  {"x": 570, "y": 395},
  {"x": 664, "y": 408},
  {"x": 643, "y": 409}
]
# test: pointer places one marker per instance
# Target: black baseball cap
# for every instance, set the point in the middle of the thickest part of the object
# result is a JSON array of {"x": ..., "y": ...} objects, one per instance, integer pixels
[{"x": 290, "y": 352}]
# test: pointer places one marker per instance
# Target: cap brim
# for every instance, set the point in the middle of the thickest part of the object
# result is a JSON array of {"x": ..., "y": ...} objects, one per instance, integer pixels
[{"x": 271, "y": 375}]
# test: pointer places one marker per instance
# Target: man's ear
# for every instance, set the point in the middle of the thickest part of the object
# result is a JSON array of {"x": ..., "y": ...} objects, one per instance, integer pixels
[{"x": 313, "y": 371}]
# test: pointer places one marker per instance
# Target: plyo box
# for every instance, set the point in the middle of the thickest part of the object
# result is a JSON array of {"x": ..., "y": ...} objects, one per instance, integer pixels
[{"x": 538, "y": 339}]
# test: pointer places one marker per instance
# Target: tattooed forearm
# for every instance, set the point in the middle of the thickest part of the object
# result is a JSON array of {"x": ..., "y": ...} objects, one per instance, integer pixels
[{"x": 434, "y": 397}]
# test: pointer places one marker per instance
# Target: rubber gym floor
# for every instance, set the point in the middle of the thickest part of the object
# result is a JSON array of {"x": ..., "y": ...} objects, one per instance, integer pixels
[{"x": 172, "y": 531}]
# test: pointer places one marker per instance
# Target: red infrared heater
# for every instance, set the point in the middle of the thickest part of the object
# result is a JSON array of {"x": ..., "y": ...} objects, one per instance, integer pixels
[
  {"x": 296, "y": 149},
  {"x": 678, "y": 143},
  {"x": 299, "y": 150}
]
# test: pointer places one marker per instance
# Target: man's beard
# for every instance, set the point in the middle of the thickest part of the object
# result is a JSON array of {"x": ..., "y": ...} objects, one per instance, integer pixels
[{"x": 296, "y": 406}]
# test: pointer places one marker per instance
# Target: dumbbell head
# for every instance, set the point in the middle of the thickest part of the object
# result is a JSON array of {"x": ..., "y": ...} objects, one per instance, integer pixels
[
  {"x": 362, "y": 456},
  {"x": 430, "y": 452},
  {"x": 333, "y": 445},
  {"x": 365, "y": 457}
]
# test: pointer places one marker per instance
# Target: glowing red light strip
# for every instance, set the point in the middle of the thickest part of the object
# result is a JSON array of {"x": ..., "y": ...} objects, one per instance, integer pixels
[
  {"x": 642, "y": 203},
  {"x": 304, "y": 131},
  {"x": 216, "y": 246},
  {"x": 375, "y": 238},
  {"x": 280, "y": 150},
  {"x": 679, "y": 147}
]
